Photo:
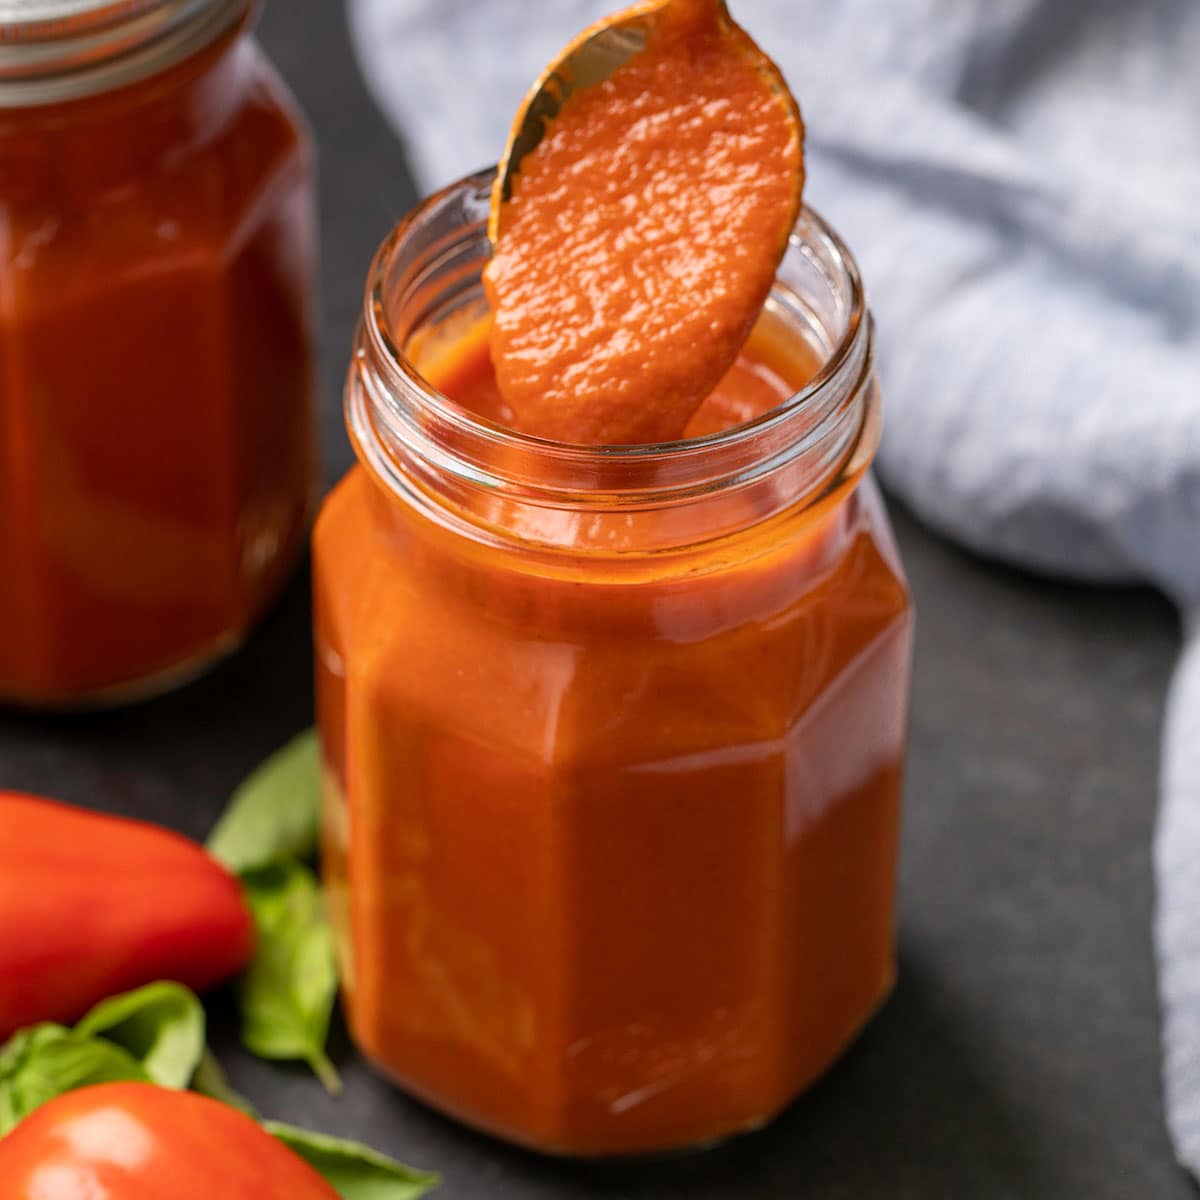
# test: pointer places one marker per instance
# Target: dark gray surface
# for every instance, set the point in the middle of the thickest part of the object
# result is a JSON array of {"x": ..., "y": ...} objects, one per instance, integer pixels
[{"x": 1019, "y": 1056}]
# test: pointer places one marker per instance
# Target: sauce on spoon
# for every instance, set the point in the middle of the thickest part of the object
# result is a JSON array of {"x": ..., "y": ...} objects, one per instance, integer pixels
[{"x": 643, "y": 233}]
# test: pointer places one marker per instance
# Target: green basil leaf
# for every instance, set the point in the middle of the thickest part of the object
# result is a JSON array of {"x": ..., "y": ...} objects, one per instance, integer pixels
[
  {"x": 273, "y": 815},
  {"x": 287, "y": 992},
  {"x": 9, "y": 1116},
  {"x": 356, "y": 1172},
  {"x": 43, "y": 1062},
  {"x": 210, "y": 1080},
  {"x": 161, "y": 1025}
]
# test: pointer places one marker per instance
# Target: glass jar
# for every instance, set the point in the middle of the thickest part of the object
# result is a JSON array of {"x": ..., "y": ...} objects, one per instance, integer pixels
[
  {"x": 612, "y": 736},
  {"x": 157, "y": 269}
]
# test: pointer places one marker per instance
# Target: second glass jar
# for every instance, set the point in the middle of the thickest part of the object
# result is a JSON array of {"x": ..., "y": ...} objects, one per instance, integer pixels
[{"x": 157, "y": 275}]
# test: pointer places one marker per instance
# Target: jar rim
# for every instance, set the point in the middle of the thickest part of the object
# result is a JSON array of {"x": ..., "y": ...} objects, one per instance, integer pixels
[
  {"x": 430, "y": 452},
  {"x": 57, "y": 50},
  {"x": 376, "y": 326}
]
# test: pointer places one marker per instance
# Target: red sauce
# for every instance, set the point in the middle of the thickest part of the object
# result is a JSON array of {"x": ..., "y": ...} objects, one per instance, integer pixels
[
  {"x": 768, "y": 370},
  {"x": 642, "y": 238},
  {"x": 157, "y": 466}
]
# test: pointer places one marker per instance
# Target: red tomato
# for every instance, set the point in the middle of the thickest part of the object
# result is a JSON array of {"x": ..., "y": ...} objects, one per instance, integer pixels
[
  {"x": 135, "y": 1141},
  {"x": 92, "y": 905}
]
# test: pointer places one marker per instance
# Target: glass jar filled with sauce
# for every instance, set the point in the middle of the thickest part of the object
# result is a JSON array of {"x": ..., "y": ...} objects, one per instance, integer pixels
[
  {"x": 613, "y": 736},
  {"x": 157, "y": 264}
]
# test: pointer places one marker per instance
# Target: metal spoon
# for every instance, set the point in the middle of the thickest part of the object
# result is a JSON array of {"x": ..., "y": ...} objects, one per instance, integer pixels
[{"x": 590, "y": 59}]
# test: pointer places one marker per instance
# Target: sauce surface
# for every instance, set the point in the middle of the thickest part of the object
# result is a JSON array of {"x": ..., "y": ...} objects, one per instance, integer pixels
[
  {"x": 642, "y": 238},
  {"x": 768, "y": 370}
]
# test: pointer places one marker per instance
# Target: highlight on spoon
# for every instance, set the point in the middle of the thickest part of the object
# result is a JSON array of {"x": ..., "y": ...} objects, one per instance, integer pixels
[
  {"x": 593, "y": 56},
  {"x": 637, "y": 224}
]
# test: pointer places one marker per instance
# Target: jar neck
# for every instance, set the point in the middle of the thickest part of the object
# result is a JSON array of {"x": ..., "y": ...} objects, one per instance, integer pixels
[
  {"x": 55, "y": 51},
  {"x": 495, "y": 485}
]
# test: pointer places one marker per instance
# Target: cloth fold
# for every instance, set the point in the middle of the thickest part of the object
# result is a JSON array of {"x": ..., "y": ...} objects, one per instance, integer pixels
[
  {"x": 1177, "y": 862},
  {"x": 1019, "y": 180}
]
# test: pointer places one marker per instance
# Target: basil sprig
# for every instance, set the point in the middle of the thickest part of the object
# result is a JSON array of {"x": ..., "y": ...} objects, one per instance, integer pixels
[
  {"x": 160, "y": 1025},
  {"x": 152, "y": 1035},
  {"x": 356, "y": 1172},
  {"x": 40, "y": 1063},
  {"x": 156, "y": 1035},
  {"x": 274, "y": 813},
  {"x": 286, "y": 995}
]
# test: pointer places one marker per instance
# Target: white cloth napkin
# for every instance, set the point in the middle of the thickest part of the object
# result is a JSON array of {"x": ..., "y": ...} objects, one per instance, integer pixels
[{"x": 1020, "y": 180}]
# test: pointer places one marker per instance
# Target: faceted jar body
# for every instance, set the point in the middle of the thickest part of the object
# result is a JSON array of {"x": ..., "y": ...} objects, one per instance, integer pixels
[
  {"x": 157, "y": 462},
  {"x": 612, "y": 766}
]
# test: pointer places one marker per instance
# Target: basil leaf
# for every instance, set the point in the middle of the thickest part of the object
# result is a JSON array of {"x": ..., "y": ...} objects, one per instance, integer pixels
[
  {"x": 356, "y": 1172},
  {"x": 274, "y": 813},
  {"x": 161, "y": 1025},
  {"x": 287, "y": 992},
  {"x": 152, "y": 1035},
  {"x": 210, "y": 1080},
  {"x": 43, "y": 1062}
]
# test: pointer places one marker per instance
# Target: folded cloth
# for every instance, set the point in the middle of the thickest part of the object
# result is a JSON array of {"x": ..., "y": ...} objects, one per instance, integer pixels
[{"x": 1019, "y": 179}]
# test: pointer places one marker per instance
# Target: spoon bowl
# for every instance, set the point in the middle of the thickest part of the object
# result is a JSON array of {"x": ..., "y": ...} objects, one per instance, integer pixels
[{"x": 590, "y": 59}]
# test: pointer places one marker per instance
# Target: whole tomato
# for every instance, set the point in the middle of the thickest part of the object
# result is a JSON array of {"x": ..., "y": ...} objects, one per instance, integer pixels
[
  {"x": 93, "y": 905},
  {"x": 135, "y": 1141}
]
